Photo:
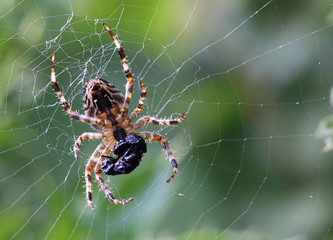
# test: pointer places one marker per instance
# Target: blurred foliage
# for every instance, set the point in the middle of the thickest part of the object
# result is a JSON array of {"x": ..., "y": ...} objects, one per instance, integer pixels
[
  {"x": 325, "y": 129},
  {"x": 254, "y": 86}
]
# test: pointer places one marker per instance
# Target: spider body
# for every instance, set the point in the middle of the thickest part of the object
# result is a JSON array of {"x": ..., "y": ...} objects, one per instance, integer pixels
[
  {"x": 129, "y": 151},
  {"x": 106, "y": 110},
  {"x": 101, "y": 100}
]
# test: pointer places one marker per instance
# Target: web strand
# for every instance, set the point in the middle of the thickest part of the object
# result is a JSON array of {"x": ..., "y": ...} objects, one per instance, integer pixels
[{"x": 254, "y": 80}]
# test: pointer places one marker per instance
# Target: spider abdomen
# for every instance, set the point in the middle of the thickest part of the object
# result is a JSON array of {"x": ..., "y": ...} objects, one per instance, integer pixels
[{"x": 101, "y": 100}]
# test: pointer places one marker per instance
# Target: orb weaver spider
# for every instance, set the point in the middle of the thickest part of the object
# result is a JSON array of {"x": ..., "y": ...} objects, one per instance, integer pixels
[{"x": 106, "y": 110}]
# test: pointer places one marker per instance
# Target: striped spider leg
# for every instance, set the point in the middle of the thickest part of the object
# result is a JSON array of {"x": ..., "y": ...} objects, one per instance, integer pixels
[
  {"x": 158, "y": 138},
  {"x": 70, "y": 112},
  {"x": 128, "y": 74},
  {"x": 95, "y": 159}
]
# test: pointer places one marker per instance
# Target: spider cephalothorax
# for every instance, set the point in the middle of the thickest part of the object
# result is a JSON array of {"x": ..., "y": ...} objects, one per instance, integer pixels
[{"x": 106, "y": 110}]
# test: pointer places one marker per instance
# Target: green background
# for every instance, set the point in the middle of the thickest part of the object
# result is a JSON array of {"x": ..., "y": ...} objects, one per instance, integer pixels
[{"x": 254, "y": 86}]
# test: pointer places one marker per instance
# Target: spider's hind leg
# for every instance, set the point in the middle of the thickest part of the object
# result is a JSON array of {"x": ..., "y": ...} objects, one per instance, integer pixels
[
  {"x": 138, "y": 109},
  {"x": 128, "y": 74},
  {"x": 65, "y": 104}
]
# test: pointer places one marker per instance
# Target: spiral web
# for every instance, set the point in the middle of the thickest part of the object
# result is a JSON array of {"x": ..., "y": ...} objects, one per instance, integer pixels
[{"x": 253, "y": 78}]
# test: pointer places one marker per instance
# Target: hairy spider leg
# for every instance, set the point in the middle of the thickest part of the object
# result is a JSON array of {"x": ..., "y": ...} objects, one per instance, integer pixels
[
  {"x": 108, "y": 194},
  {"x": 89, "y": 167},
  {"x": 71, "y": 113},
  {"x": 158, "y": 138},
  {"x": 102, "y": 150},
  {"x": 84, "y": 136},
  {"x": 137, "y": 111},
  {"x": 147, "y": 119},
  {"x": 128, "y": 74}
]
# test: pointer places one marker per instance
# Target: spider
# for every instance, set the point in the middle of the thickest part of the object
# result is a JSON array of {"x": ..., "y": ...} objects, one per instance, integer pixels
[{"x": 106, "y": 110}]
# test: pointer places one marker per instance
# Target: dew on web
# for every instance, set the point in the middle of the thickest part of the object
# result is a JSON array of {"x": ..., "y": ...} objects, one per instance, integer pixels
[{"x": 253, "y": 77}]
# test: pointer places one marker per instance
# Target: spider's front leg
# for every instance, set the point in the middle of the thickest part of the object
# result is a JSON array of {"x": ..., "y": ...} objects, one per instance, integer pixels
[
  {"x": 84, "y": 136},
  {"x": 104, "y": 187},
  {"x": 158, "y": 138},
  {"x": 97, "y": 154},
  {"x": 103, "y": 149}
]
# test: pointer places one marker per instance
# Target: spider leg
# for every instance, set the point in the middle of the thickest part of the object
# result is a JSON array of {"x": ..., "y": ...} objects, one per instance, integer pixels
[
  {"x": 158, "y": 138},
  {"x": 148, "y": 119},
  {"x": 137, "y": 111},
  {"x": 104, "y": 187},
  {"x": 103, "y": 149},
  {"x": 84, "y": 136},
  {"x": 65, "y": 104},
  {"x": 128, "y": 74}
]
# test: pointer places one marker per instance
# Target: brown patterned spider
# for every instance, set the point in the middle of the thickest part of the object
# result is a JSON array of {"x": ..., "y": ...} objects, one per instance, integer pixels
[{"x": 106, "y": 110}]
